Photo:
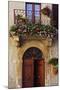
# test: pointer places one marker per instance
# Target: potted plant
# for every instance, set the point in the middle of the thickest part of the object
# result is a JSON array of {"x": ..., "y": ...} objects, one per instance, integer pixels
[
  {"x": 21, "y": 19},
  {"x": 54, "y": 63},
  {"x": 13, "y": 30},
  {"x": 46, "y": 11}
]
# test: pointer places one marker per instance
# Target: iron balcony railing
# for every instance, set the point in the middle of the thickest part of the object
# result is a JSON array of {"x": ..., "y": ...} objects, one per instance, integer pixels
[{"x": 29, "y": 14}]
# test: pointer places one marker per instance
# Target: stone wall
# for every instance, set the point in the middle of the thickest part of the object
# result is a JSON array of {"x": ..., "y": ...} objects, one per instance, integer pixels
[
  {"x": 15, "y": 61},
  {"x": 54, "y": 52},
  {"x": 14, "y": 5},
  {"x": 12, "y": 63}
]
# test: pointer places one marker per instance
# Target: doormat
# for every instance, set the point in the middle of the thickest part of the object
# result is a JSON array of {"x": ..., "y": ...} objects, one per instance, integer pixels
[{"x": 33, "y": 44}]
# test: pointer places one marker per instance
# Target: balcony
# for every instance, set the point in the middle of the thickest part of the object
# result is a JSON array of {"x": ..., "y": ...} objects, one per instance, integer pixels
[{"x": 27, "y": 30}]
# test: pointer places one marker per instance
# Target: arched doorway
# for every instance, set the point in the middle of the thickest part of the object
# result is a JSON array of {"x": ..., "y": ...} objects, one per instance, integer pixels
[{"x": 33, "y": 68}]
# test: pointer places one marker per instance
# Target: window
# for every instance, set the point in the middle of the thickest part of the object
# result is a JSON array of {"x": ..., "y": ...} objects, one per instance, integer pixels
[
  {"x": 29, "y": 11},
  {"x": 33, "y": 12}
]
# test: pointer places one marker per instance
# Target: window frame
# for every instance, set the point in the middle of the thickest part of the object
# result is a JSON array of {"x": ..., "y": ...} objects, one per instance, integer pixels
[{"x": 33, "y": 8}]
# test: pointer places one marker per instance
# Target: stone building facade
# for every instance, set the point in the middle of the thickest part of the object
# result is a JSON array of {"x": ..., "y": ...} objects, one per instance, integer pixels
[{"x": 49, "y": 50}]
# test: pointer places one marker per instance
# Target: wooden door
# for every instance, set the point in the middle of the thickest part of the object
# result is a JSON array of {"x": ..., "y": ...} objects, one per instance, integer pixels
[
  {"x": 28, "y": 76},
  {"x": 33, "y": 73},
  {"x": 39, "y": 73}
]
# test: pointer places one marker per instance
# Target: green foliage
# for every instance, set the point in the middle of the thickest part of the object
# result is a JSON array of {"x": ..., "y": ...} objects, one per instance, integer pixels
[
  {"x": 24, "y": 25},
  {"x": 30, "y": 27},
  {"x": 13, "y": 28},
  {"x": 53, "y": 61},
  {"x": 20, "y": 17}
]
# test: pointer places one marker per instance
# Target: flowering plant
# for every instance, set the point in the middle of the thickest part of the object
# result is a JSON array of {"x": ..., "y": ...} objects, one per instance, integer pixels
[{"x": 46, "y": 11}]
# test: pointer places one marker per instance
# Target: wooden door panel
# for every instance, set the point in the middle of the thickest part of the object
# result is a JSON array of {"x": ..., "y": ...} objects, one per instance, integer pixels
[
  {"x": 41, "y": 73},
  {"x": 40, "y": 80},
  {"x": 28, "y": 73}
]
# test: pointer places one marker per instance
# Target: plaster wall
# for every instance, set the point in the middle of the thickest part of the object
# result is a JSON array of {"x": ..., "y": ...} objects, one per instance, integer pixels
[{"x": 14, "y": 5}]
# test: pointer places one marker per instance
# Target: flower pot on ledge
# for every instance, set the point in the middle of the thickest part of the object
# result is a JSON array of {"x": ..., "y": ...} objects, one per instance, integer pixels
[
  {"x": 55, "y": 70},
  {"x": 54, "y": 65}
]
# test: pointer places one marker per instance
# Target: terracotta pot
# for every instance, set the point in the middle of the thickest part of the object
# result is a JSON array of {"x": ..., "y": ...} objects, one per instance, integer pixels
[{"x": 55, "y": 70}]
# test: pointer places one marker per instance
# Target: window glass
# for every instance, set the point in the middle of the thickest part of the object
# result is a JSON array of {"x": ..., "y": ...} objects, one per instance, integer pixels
[
  {"x": 37, "y": 10},
  {"x": 37, "y": 13},
  {"x": 29, "y": 11}
]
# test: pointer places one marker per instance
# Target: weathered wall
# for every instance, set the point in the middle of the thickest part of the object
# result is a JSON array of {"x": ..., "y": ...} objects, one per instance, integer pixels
[
  {"x": 13, "y": 60},
  {"x": 14, "y": 5},
  {"x": 54, "y": 52}
]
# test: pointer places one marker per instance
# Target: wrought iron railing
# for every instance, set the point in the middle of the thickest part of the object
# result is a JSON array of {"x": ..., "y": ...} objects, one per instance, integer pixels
[{"x": 28, "y": 14}]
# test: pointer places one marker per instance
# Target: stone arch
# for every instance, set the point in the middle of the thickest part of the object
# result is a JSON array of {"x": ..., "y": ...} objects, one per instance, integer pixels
[
  {"x": 35, "y": 52},
  {"x": 41, "y": 46}
]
